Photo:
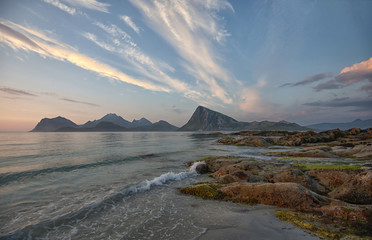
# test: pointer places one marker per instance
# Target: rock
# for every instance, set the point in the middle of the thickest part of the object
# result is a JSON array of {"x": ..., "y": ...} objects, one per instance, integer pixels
[
  {"x": 253, "y": 142},
  {"x": 348, "y": 186},
  {"x": 215, "y": 165},
  {"x": 349, "y": 214},
  {"x": 358, "y": 190},
  {"x": 287, "y": 195},
  {"x": 332, "y": 179},
  {"x": 202, "y": 168},
  {"x": 295, "y": 175},
  {"x": 227, "y": 140}
]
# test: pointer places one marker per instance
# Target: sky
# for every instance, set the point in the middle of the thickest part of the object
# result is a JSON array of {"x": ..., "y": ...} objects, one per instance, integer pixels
[{"x": 303, "y": 61}]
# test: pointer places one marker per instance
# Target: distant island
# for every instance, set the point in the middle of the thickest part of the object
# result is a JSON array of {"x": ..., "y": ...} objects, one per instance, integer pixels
[{"x": 203, "y": 119}]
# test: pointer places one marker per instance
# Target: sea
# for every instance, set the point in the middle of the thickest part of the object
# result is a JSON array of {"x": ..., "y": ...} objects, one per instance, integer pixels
[{"x": 108, "y": 185}]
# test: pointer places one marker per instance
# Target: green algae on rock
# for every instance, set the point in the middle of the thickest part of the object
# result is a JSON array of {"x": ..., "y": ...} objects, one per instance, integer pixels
[
  {"x": 204, "y": 190},
  {"x": 307, "y": 167}
]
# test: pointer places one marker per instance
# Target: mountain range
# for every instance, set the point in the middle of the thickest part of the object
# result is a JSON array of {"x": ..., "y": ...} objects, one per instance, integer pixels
[
  {"x": 363, "y": 124},
  {"x": 203, "y": 119},
  {"x": 109, "y": 122}
]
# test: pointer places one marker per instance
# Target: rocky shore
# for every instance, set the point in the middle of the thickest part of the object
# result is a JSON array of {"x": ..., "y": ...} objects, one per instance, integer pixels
[
  {"x": 332, "y": 198},
  {"x": 352, "y": 143}
]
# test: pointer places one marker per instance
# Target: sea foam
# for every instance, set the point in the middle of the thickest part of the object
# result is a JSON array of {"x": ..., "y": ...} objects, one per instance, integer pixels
[{"x": 164, "y": 178}]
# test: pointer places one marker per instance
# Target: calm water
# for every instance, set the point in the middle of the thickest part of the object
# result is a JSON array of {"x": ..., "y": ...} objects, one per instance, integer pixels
[{"x": 109, "y": 186}]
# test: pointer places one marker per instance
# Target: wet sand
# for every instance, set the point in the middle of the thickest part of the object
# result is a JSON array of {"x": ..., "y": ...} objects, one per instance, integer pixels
[{"x": 259, "y": 223}]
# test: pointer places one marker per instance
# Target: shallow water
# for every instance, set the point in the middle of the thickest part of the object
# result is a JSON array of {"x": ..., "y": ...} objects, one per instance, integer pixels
[{"x": 107, "y": 185}]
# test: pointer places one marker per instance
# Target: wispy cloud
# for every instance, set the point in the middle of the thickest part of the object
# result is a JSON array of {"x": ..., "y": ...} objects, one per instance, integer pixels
[
  {"x": 63, "y": 7},
  {"x": 80, "y": 102},
  {"x": 17, "y": 92},
  {"x": 27, "y": 40},
  {"x": 130, "y": 23},
  {"x": 192, "y": 28},
  {"x": 330, "y": 84},
  {"x": 90, "y": 4},
  {"x": 122, "y": 44},
  {"x": 309, "y": 79},
  {"x": 343, "y": 102}
]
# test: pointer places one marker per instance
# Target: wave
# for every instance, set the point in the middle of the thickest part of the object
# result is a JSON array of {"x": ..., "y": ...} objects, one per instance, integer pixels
[
  {"x": 6, "y": 178},
  {"x": 42, "y": 228}
]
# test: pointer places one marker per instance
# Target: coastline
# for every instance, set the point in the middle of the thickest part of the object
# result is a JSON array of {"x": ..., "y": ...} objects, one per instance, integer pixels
[{"x": 318, "y": 195}]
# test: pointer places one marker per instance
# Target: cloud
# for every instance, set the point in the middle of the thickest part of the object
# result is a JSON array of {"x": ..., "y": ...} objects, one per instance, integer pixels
[
  {"x": 330, "y": 84},
  {"x": 177, "y": 110},
  {"x": 365, "y": 65},
  {"x": 313, "y": 78},
  {"x": 17, "y": 92},
  {"x": 16, "y": 39},
  {"x": 61, "y": 6},
  {"x": 145, "y": 65},
  {"x": 309, "y": 79},
  {"x": 285, "y": 85},
  {"x": 358, "y": 72},
  {"x": 47, "y": 47},
  {"x": 130, "y": 23},
  {"x": 89, "y": 4},
  {"x": 192, "y": 28},
  {"x": 250, "y": 101},
  {"x": 367, "y": 88},
  {"x": 343, "y": 102},
  {"x": 81, "y": 102},
  {"x": 354, "y": 76}
]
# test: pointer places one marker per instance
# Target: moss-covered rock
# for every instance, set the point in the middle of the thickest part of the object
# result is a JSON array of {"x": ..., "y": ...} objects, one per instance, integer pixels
[{"x": 204, "y": 190}]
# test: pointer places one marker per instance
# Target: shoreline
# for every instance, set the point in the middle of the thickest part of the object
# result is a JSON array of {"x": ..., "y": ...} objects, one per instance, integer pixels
[
  {"x": 257, "y": 223},
  {"x": 327, "y": 195}
]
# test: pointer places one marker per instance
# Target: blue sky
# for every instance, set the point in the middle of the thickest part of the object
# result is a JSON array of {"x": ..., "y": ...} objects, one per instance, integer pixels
[{"x": 303, "y": 61}]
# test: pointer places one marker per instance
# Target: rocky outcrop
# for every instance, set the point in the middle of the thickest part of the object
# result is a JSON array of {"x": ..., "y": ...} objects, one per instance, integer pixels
[
  {"x": 328, "y": 144},
  {"x": 348, "y": 186},
  {"x": 327, "y": 195},
  {"x": 287, "y": 195}
]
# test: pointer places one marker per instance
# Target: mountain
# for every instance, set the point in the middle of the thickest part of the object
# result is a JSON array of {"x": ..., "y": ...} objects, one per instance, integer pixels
[
  {"x": 52, "y": 124},
  {"x": 282, "y": 125},
  {"x": 100, "y": 127},
  {"x": 112, "y": 127},
  {"x": 363, "y": 124},
  {"x": 111, "y": 117},
  {"x": 140, "y": 123},
  {"x": 205, "y": 119},
  {"x": 158, "y": 126}
]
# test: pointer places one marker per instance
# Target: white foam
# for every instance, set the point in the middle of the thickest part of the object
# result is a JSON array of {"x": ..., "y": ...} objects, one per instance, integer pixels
[{"x": 166, "y": 177}]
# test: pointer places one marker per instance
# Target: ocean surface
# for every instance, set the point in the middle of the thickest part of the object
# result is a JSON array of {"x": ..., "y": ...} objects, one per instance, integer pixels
[{"x": 107, "y": 185}]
